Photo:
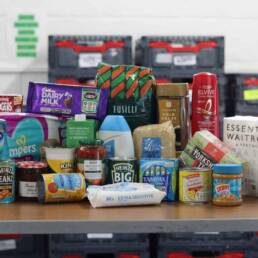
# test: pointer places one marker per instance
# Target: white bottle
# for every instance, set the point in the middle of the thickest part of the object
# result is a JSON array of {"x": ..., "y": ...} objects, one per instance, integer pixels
[{"x": 117, "y": 137}]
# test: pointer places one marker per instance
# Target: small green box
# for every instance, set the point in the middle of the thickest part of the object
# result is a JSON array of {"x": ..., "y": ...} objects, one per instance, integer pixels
[{"x": 77, "y": 131}]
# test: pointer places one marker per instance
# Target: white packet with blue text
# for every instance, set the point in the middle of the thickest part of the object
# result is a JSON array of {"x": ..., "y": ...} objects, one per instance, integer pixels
[{"x": 124, "y": 194}]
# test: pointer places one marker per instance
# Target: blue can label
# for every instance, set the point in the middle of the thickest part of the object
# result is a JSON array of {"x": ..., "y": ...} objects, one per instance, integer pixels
[
  {"x": 162, "y": 174},
  {"x": 227, "y": 189}
]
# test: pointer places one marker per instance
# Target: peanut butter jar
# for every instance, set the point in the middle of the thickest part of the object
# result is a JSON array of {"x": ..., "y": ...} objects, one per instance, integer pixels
[{"x": 227, "y": 184}]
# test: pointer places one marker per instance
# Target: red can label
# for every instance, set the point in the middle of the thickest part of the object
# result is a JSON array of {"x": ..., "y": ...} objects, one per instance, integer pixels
[{"x": 11, "y": 103}]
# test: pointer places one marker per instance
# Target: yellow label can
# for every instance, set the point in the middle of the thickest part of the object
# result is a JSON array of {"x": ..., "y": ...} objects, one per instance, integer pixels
[
  {"x": 195, "y": 185},
  {"x": 61, "y": 187}
]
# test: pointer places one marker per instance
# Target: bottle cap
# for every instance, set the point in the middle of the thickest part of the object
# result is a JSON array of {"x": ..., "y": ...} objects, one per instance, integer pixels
[
  {"x": 91, "y": 142},
  {"x": 204, "y": 78}
]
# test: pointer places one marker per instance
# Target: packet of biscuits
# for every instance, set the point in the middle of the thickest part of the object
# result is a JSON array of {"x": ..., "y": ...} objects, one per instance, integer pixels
[
  {"x": 67, "y": 100},
  {"x": 11, "y": 103}
]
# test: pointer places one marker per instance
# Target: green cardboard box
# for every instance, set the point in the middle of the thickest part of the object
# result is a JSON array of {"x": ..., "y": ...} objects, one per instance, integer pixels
[{"x": 77, "y": 131}]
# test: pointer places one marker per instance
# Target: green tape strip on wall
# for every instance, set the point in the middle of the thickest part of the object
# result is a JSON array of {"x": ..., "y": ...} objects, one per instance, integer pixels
[{"x": 26, "y": 38}]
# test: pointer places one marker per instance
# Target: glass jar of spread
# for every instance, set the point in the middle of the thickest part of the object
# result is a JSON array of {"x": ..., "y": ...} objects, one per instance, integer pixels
[
  {"x": 27, "y": 174},
  {"x": 173, "y": 105},
  {"x": 90, "y": 161},
  {"x": 227, "y": 184}
]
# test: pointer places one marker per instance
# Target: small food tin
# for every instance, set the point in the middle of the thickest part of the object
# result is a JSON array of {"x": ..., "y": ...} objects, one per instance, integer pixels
[
  {"x": 27, "y": 177},
  {"x": 122, "y": 170},
  {"x": 227, "y": 184},
  {"x": 7, "y": 168},
  {"x": 61, "y": 187},
  {"x": 195, "y": 185},
  {"x": 7, "y": 181}
]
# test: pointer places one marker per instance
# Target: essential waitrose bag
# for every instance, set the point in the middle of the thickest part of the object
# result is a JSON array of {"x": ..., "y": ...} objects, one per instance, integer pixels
[
  {"x": 131, "y": 92},
  {"x": 241, "y": 134},
  {"x": 124, "y": 194}
]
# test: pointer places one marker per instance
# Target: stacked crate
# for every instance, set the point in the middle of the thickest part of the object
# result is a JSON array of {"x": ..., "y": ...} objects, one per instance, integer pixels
[
  {"x": 199, "y": 245},
  {"x": 74, "y": 59},
  {"x": 99, "y": 245}
]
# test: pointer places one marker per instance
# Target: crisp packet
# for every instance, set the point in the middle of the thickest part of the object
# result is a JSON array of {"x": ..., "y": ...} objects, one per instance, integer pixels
[
  {"x": 65, "y": 100},
  {"x": 124, "y": 194}
]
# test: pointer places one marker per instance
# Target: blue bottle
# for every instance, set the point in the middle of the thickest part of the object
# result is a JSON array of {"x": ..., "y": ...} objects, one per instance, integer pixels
[{"x": 7, "y": 168}]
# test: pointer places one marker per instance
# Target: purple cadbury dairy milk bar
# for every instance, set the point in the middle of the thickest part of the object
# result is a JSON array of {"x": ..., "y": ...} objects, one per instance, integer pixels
[{"x": 59, "y": 99}]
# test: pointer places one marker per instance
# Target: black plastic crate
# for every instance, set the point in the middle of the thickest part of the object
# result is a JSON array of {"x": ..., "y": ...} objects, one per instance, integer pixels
[
  {"x": 79, "y": 55},
  {"x": 181, "y": 54},
  {"x": 99, "y": 245},
  {"x": 98, "y": 253},
  {"x": 245, "y": 88},
  {"x": 215, "y": 243},
  {"x": 82, "y": 242},
  {"x": 23, "y": 246},
  {"x": 71, "y": 80},
  {"x": 208, "y": 238}
]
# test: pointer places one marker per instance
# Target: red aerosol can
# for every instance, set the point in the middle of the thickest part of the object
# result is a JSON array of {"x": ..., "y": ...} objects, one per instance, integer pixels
[{"x": 205, "y": 103}]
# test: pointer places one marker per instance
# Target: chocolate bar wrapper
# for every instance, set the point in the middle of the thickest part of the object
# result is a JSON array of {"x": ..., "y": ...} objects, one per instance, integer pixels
[{"x": 66, "y": 100}]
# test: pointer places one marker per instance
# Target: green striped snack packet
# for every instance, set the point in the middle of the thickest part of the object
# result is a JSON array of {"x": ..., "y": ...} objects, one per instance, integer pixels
[{"x": 130, "y": 92}]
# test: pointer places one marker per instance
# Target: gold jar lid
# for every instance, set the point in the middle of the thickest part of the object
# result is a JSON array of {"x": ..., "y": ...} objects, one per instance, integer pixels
[{"x": 172, "y": 89}]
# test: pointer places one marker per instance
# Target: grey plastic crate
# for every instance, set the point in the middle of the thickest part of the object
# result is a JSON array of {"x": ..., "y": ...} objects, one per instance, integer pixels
[
  {"x": 23, "y": 246},
  {"x": 246, "y": 84},
  {"x": 181, "y": 54},
  {"x": 79, "y": 55}
]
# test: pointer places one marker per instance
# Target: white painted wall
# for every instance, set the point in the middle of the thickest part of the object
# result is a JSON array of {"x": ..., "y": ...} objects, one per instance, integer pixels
[{"x": 236, "y": 20}]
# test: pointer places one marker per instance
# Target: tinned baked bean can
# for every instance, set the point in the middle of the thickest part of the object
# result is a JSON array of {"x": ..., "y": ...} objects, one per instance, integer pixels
[
  {"x": 195, "y": 185},
  {"x": 61, "y": 187},
  {"x": 7, "y": 168},
  {"x": 122, "y": 170}
]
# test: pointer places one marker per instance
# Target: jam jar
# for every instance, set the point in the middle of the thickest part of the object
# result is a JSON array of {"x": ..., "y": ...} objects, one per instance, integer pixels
[
  {"x": 27, "y": 174},
  {"x": 90, "y": 161},
  {"x": 227, "y": 184}
]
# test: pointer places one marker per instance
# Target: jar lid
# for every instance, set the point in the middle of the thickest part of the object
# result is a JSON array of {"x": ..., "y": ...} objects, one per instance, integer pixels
[
  {"x": 228, "y": 169},
  {"x": 91, "y": 142},
  {"x": 172, "y": 89},
  {"x": 31, "y": 164}
]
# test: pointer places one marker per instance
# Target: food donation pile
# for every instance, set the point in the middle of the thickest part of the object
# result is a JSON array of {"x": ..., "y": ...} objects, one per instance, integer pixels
[{"x": 126, "y": 141}]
